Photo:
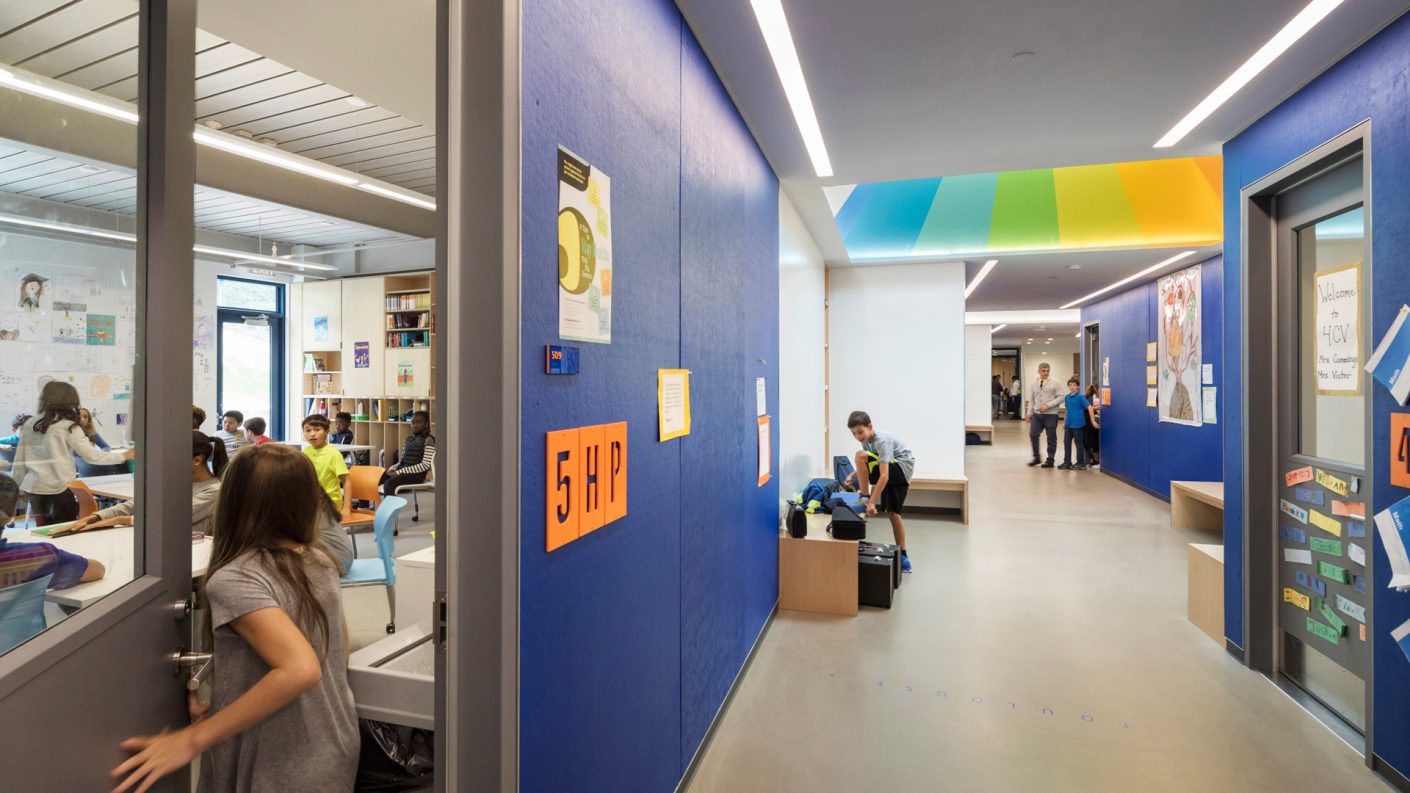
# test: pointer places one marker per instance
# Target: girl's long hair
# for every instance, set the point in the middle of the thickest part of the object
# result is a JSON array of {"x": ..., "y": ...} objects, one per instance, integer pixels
[
  {"x": 91, "y": 428},
  {"x": 213, "y": 449},
  {"x": 57, "y": 401},
  {"x": 270, "y": 494}
]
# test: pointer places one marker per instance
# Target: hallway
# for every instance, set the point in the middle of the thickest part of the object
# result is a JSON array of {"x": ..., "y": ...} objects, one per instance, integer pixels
[{"x": 1042, "y": 648}]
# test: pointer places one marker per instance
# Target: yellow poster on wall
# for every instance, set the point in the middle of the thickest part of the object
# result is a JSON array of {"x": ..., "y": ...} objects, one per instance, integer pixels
[
  {"x": 584, "y": 251},
  {"x": 673, "y": 402}
]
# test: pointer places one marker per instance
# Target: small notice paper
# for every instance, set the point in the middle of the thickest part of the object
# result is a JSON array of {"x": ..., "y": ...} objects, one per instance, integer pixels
[
  {"x": 1207, "y": 374},
  {"x": 1329, "y": 525},
  {"x": 1391, "y": 524},
  {"x": 673, "y": 402},
  {"x": 761, "y": 396},
  {"x": 764, "y": 446},
  {"x": 1150, "y": 375},
  {"x": 1150, "y": 351},
  {"x": 1331, "y": 482},
  {"x": 1297, "y": 556},
  {"x": 1356, "y": 554},
  {"x": 1293, "y": 510},
  {"x": 1211, "y": 402},
  {"x": 1298, "y": 475},
  {"x": 1150, "y": 397},
  {"x": 1296, "y": 598}
]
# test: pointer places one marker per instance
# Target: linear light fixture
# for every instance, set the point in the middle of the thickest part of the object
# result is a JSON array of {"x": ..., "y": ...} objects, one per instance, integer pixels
[
  {"x": 122, "y": 236},
  {"x": 979, "y": 277},
  {"x": 1036, "y": 316},
  {"x": 1128, "y": 279},
  {"x": 1315, "y": 12},
  {"x": 997, "y": 328},
  {"x": 774, "y": 25},
  {"x": 97, "y": 103}
]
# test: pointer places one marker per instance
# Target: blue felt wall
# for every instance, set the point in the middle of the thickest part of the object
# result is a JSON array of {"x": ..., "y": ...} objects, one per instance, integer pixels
[
  {"x": 631, "y": 636},
  {"x": 1369, "y": 83},
  {"x": 1135, "y": 446}
]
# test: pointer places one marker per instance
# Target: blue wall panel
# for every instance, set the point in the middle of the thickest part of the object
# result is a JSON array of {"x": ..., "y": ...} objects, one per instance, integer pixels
[
  {"x": 1135, "y": 444},
  {"x": 637, "y": 629},
  {"x": 729, "y": 336},
  {"x": 1370, "y": 83}
]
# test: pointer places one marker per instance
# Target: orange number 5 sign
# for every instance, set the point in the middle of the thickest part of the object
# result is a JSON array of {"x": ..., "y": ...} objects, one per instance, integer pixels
[{"x": 586, "y": 482}]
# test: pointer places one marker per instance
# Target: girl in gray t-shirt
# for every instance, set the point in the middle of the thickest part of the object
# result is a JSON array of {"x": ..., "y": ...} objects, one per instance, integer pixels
[{"x": 281, "y": 715}]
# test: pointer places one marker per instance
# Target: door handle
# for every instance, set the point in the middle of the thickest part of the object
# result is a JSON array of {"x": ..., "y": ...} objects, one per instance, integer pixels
[{"x": 202, "y": 662}]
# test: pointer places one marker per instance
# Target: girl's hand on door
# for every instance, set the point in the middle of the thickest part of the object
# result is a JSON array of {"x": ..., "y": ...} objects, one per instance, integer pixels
[{"x": 157, "y": 756}]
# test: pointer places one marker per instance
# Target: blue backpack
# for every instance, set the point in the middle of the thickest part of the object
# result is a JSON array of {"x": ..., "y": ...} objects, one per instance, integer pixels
[{"x": 817, "y": 495}]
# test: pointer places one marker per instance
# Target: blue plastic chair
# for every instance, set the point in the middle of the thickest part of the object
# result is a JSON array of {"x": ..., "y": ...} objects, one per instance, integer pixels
[
  {"x": 22, "y": 612},
  {"x": 383, "y": 569}
]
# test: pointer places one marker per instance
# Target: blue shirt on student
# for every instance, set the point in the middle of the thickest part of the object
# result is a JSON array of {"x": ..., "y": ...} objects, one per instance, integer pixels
[{"x": 1077, "y": 405}]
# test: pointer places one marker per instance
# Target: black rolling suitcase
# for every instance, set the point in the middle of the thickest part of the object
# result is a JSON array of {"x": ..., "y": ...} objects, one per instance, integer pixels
[
  {"x": 847, "y": 525},
  {"x": 874, "y": 586}
]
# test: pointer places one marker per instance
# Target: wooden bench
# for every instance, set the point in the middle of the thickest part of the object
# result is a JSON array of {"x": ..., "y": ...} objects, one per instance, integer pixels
[
  {"x": 1206, "y": 590},
  {"x": 1197, "y": 505},
  {"x": 958, "y": 484},
  {"x": 984, "y": 431}
]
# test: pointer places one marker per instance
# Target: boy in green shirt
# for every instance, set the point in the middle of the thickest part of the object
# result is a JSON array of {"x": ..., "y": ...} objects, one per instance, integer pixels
[{"x": 327, "y": 461}]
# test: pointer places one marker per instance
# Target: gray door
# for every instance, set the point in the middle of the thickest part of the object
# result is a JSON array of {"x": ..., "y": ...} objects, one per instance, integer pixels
[
  {"x": 107, "y": 316},
  {"x": 1323, "y": 544}
]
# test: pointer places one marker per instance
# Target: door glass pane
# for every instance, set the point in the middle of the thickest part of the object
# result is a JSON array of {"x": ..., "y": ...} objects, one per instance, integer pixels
[
  {"x": 246, "y": 366},
  {"x": 68, "y": 306},
  {"x": 1331, "y": 426}
]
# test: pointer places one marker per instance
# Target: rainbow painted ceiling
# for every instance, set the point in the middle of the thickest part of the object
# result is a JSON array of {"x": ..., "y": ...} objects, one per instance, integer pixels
[{"x": 1148, "y": 204}]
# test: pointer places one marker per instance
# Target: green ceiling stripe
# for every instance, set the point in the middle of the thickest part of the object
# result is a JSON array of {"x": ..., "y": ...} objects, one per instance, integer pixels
[
  {"x": 1025, "y": 211},
  {"x": 958, "y": 221}
]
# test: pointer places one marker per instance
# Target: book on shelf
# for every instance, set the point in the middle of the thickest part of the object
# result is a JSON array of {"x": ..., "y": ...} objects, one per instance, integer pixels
[{"x": 323, "y": 384}]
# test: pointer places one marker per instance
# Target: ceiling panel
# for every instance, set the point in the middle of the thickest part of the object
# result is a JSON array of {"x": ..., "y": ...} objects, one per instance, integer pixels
[{"x": 91, "y": 44}]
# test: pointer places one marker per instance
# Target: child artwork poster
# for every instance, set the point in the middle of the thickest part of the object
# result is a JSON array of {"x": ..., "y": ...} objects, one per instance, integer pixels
[
  {"x": 1179, "y": 350},
  {"x": 362, "y": 355},
  {"x": 584, "y": 251},
  {"x": 320, "y": 328},
  {"x": 34, "y": 292},
  {"x": 70, "y": 327},
  {"x": 102, "y": 330}
]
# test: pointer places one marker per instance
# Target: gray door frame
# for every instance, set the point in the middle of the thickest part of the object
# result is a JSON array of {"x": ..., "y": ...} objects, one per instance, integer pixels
[
  {"x": 478, "y": 270},
  {"x": 1261, "y": 370},
  {"x": 107, "y": 668}
]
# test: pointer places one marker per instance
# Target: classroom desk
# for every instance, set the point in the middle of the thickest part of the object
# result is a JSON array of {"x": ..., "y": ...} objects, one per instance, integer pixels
[
  {"x": 115, "y": 486},
  {"x": 114, "y": 548},
  {"x": 342, "y": 447}
]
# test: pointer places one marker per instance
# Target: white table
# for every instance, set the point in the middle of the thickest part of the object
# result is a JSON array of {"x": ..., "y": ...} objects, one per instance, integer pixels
[
  {"x": 416, "y": 586},
  {"x": 118, "y": 486},
  {"x": 342, "y": 447},
  {"x": 114, "y": 548}
]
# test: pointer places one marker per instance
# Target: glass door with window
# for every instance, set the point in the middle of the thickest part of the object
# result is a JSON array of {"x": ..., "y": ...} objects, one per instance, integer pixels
[
  {"x": 1323, "y": 543},
  {"x": 250, "y": 349}
]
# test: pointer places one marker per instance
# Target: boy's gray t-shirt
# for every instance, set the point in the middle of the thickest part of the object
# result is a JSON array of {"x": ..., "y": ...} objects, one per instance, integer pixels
[
  {"x": 890, "y": 449},
  {"x": 311, "y": 744}
]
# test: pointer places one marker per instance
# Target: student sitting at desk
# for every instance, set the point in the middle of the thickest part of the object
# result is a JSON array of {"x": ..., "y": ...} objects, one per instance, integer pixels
[
  {"x": 207, "y": 463},
  {"x": 26, "y": 561},
  {"x": 418, "y": 454},
  {"x": 13, "y": 439},
  {"x": 342, "y": 429},
  {"x": 44, "y": 458},
  {"x": 233, "y": 433},
  {"x": 281, "y": 715},
  {"x": 85, "y": 423}
]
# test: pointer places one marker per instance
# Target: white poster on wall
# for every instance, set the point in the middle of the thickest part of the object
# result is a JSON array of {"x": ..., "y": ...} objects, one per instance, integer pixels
[
  {"x": 1179, "y": 349},
  {"x": 584, "y": 251},
  {"x": 1337, "y": 300}
]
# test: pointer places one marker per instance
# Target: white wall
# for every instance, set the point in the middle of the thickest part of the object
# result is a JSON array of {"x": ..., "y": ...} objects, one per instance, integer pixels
[
  {"x": 203, "y": 361},
  {"x": 978, "y": 375},
  {"x": 896, "y": 333},
  {"x": 801, "y": 423}
]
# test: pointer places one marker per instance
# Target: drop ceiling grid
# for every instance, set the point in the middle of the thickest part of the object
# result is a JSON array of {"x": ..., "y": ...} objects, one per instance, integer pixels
[{"x": 92, "y": 44}]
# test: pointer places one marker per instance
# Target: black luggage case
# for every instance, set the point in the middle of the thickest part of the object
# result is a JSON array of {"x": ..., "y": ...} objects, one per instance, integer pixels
[
  {"x": 892, "y": 552},
  {"x": 847, "y": 525},
  {"x": 874, "y": 581}
]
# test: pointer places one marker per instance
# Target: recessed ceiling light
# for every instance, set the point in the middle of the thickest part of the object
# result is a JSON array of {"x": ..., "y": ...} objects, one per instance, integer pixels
[
  {"x": 356, "y": 101},
  {"x": 1315, "y": 12},
  {"x": 774, "y": 26},
  {"x": 1074, "y": 267},
  {"x": 1050, "y": 338},
  {"x": 211, "y": 123},
  {"x": 1128, "y": 279},
  {"x": 980, "y": 276}
]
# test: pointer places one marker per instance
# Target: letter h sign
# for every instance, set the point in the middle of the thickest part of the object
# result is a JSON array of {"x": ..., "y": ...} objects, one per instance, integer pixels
[{"x": 587, "y": 481}]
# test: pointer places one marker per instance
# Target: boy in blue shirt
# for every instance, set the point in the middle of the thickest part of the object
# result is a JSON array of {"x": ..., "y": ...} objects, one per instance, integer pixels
[{"x": 1079, "y": 410}]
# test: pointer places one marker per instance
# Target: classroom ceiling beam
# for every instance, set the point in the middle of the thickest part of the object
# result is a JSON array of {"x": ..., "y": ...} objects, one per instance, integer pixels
[{"x": 50, "y": 127}]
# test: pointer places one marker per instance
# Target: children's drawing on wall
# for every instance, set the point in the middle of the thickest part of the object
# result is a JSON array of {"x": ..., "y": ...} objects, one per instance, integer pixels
[
  {"x": 320, "y": 328},
  {"x": 102, "y": 330},
  {"x": 9, "y": 326},
  {"x": 34, "y": 292},
  {"x": 70, "y": 327},
  {"x": 1180, "y": 354},
  {"x": 100, "y": 387},
  {"x": 202, "y": 340}
]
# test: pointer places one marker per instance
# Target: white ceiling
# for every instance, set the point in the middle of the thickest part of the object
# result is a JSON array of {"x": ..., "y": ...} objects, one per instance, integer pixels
[
  {"x": 919, "y": 88},
  {"x": 1053, "y": 280},
  {"x": 92, "y": 44},
  {"x": 1063, "y": 335}
]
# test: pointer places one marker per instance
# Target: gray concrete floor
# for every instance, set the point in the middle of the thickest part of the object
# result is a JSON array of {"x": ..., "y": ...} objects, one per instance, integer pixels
[{"x": 1043, "y": 647}]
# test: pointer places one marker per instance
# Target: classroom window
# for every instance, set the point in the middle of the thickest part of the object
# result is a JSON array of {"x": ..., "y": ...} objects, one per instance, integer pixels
[{"x": 250, "y": 349}]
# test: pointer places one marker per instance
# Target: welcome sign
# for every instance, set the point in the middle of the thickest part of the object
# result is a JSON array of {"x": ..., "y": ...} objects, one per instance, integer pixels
[{"x": 1338, "y": 326}]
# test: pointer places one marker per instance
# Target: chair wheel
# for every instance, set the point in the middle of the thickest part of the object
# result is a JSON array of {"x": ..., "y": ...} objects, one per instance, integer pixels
[
  {"x": 396, "y": 532},
  {"x": 391, "y": 627},
  {"x": 415, "y": 518}
]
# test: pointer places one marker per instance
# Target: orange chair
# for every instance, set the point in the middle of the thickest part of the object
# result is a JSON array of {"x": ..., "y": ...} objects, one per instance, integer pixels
[
  {"x": 363, "y": 481},
  {"x": 87, "y": 504}
]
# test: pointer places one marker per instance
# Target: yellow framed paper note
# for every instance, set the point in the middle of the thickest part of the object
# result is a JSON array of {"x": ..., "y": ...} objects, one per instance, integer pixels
[{"x": 673, "y": 402}]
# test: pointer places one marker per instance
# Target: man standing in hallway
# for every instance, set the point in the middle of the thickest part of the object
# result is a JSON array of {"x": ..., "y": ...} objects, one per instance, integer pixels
[{"x": 1044, "y": 399}]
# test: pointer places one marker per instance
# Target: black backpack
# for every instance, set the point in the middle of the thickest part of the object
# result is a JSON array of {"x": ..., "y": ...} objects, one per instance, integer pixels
[{"x": 796, "y": 521}]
